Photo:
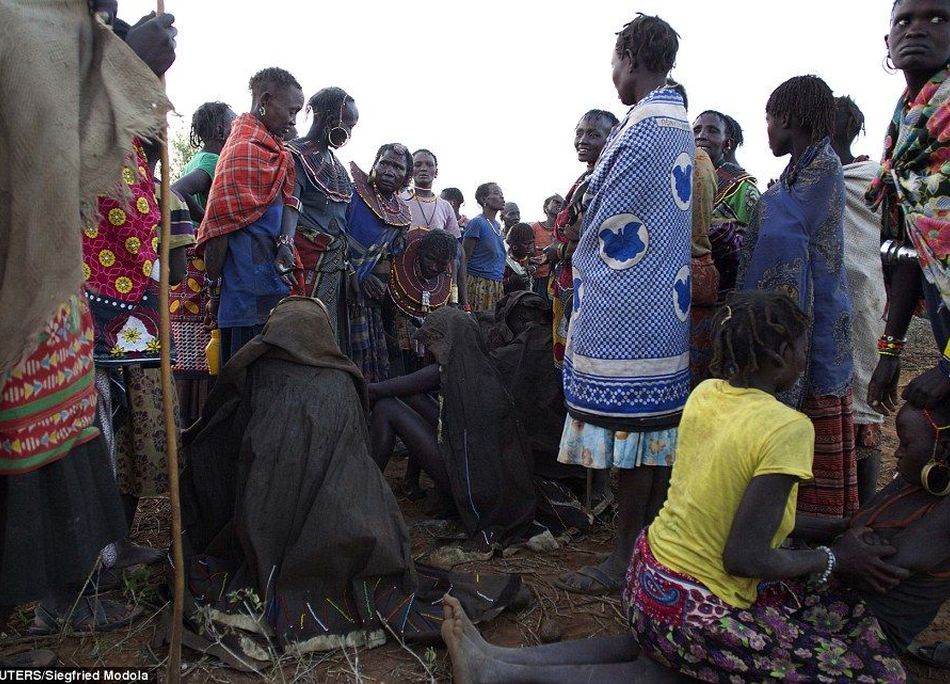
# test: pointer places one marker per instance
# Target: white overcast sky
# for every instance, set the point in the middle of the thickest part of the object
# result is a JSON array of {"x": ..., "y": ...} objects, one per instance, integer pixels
[{"x": 495, "y": 87}]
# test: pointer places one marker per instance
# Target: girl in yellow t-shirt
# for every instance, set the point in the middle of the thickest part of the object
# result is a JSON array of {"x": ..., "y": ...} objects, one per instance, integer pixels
[{"x": 711, "y": 593}]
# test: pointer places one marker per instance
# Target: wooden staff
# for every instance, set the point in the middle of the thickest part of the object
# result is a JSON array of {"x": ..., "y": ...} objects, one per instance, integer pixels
[{"x": 173, "y": 673}]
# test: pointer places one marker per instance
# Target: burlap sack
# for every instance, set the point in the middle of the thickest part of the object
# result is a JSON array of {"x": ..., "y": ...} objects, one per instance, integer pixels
[{"x": 72, "y": 97}]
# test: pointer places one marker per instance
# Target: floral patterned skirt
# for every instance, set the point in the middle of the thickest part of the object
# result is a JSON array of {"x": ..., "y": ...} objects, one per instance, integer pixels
[
  {"x": 141, "y": 447},
  {"x": 599, "y": 448},
  {"x": 787, "y": 634},
  {"x": 483, "y": 294}
]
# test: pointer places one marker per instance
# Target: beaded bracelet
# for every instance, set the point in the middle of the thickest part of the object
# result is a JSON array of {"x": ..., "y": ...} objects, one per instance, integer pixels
[
  {"x": 285, "y": 241},
  {"x": 888, "y": 345},
  {"x": 829, "y": 568}
]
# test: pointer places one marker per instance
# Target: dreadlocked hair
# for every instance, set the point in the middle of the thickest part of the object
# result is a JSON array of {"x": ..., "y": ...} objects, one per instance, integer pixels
[
  {"x": 808, "y": 100},
  {"x": 733, "y": 130},
  {"x": 423, "y": 150},
  {"x": 327, "y": 106},
  {"x": 752, "y": 328},
  {"x": 603, "y": 115},
  {"x": 652, "y": 40},
  {"x": 851, "y": 115},
  {"x": 439, "y": 245},
  {"x": 271, "y": 78},
  {"x": 400, "y": 149},
  {"x": 206, "y": 122}
]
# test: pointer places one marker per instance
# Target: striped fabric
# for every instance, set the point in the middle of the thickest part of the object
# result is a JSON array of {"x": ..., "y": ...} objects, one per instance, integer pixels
[{"x": 48, "y": 400}]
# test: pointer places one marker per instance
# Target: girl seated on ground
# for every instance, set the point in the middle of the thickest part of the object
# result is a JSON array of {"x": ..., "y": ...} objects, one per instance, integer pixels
[{"x": 703, "y": 589}]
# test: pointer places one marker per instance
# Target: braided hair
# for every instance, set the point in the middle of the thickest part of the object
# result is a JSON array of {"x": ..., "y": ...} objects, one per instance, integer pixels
[
  {"x": 733, "y": 131},
  {"x": 207, "y": 120},
  {"x": 809, "y": 101},
  {"x": 271, "y": 78},
  {"x": 652, "y": 40},
  {"x": 851, "y": 116},
  {"x": 751, "y": 329},
  {"x": 327, "y": 106},
  {"x": 719, "y": 115},
  {"x": 602, "y": 115},
  {"x": 400, "y": 149}
]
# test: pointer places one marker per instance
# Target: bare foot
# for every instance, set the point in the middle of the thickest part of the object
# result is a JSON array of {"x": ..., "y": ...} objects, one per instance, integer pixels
[
  {"x": 468, "y": 629},
  {"x": 468, "y": 662}
]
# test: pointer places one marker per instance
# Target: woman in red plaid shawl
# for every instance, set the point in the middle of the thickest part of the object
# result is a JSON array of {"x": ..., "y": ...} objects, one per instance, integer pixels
[{"x": 251, "y": 213}]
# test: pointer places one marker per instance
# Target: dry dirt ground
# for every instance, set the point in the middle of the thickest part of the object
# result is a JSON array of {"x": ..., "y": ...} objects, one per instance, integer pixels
[{"x": 553, "y": 612}]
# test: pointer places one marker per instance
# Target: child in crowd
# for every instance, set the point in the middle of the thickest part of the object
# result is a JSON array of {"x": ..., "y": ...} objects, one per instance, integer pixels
[{"x": 521, "y": 264}]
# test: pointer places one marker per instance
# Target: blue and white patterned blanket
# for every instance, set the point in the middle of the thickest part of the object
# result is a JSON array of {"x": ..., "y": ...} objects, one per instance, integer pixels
[{"x": 627, "y": 357}]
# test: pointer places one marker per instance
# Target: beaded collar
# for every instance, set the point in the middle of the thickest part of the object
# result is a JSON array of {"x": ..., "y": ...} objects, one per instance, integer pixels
[
  {"x": 323, "y": 170},
  {"x": 395, "y": 213}
]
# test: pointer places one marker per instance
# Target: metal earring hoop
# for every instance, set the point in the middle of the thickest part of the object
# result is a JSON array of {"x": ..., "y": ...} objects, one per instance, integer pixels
[
  {"x": 888, "y": 65},
  {"x": 925, "y": 478}
]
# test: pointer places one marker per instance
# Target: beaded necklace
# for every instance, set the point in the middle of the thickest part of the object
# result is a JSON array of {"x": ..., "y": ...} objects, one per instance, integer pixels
[{"x": 428, "y": 219}]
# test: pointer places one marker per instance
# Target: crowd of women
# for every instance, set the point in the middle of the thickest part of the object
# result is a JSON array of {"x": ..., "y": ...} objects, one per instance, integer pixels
[{"x": 730, "y": 353}]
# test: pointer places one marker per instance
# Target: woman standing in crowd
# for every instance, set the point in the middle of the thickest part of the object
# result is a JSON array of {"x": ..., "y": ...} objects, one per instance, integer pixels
[
  {"x": 210, "y": 127},
  {"x": 912, "y": 189},
  {"x": 324, "y": 189},
  {"x": 435, "y": 213},
  {"x": 626, "y": 368},
  {"x": 862, "y": 264},
  {"x": 376, "y": 222},
  {"x": 484, "y": 247},
  {"x": 251, "y": 213},
  {"x": 590, "y": 136},
  {"x": 58, "y": 498},
  {"x": 735, "y": 199},
  {"x": 795, "y": 246}
]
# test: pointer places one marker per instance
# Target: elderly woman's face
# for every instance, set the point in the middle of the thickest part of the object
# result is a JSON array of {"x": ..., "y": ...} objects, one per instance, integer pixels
[
  {"x": 280, "y": 109},
  {"x": 390, "y": 172}
]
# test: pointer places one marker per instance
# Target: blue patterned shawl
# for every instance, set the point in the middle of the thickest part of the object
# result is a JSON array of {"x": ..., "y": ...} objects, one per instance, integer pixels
[
  {"x": 795, "y": 245},
  {"x": 626, "y": 366}
]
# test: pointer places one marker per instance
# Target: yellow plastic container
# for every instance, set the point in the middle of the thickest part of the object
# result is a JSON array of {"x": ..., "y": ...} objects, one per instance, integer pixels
[{"x": 213, "y": 352}]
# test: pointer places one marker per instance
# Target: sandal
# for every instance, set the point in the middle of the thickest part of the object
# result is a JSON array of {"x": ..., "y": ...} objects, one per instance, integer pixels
[
  {"x": 90, "y": 615},
  {"x": 596, "y": 582},
  {"x": 935, "y": 655}
]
